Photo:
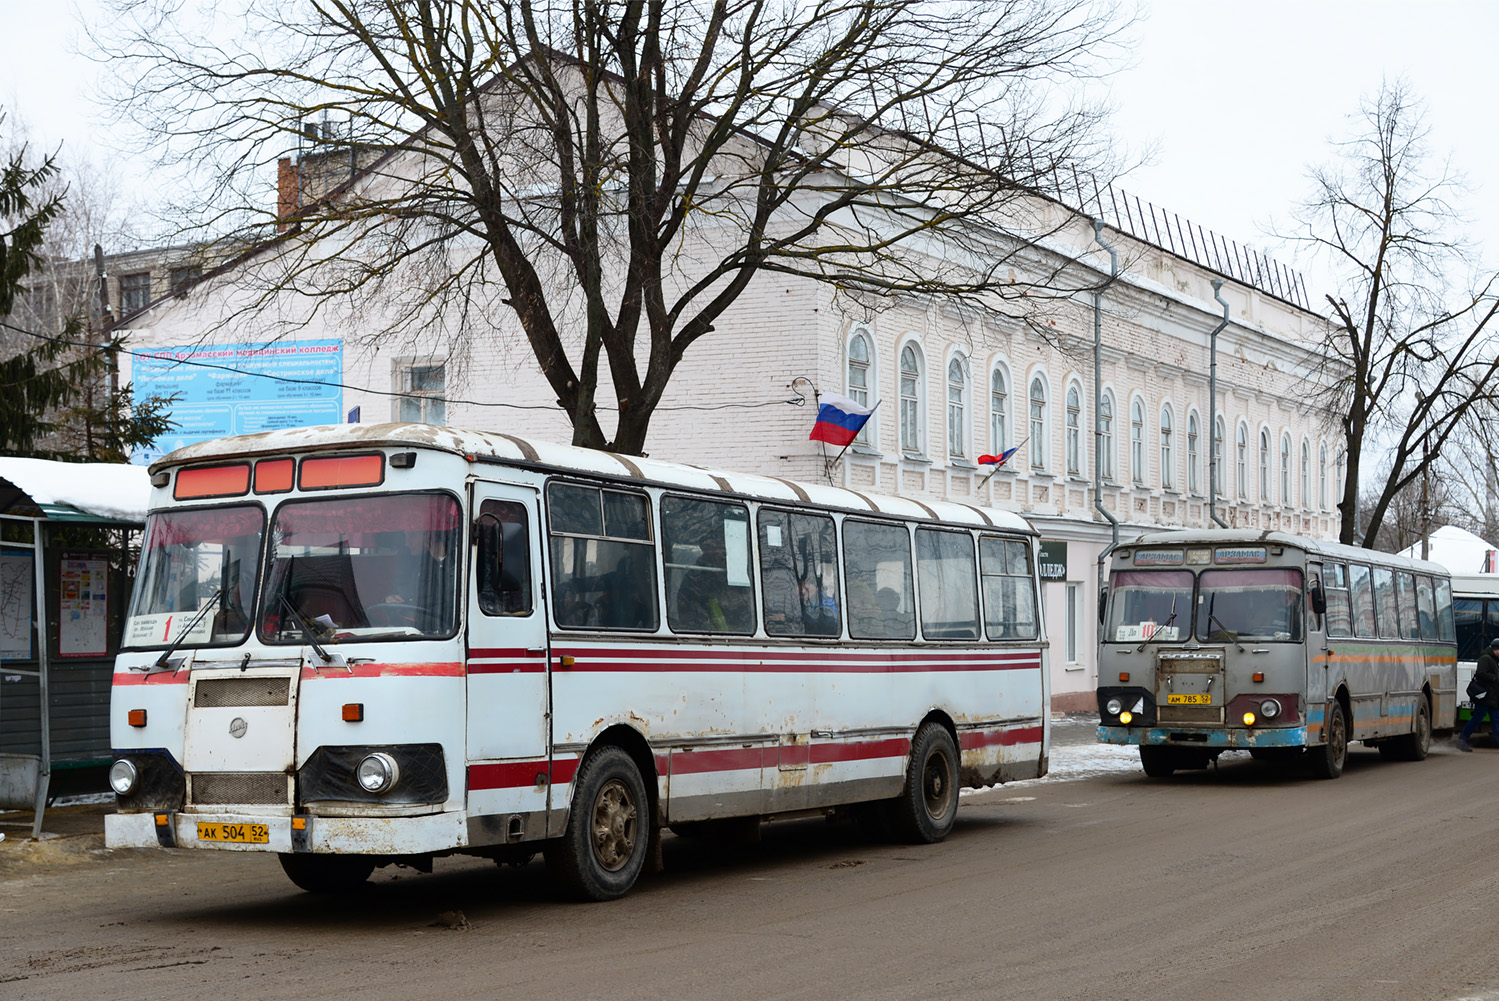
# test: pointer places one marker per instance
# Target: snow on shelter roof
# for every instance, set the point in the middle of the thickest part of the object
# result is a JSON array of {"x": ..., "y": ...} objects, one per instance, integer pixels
[
  {"x": 81, "y": 491},
  {"x": 565, "y": 458}
]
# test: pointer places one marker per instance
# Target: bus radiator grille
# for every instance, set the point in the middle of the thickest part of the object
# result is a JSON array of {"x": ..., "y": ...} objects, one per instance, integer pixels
[
  {"x": 230, "y": 788},
  {"x": 221, "y": 693},
  {"x": 1189, "y": 714}
]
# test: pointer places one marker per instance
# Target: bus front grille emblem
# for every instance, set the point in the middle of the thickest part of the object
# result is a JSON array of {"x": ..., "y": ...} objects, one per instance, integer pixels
[{"x": 237, "y": 727}]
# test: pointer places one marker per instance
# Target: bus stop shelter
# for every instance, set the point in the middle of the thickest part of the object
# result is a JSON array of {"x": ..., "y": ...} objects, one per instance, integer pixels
[{"x": 66, "y": 532}]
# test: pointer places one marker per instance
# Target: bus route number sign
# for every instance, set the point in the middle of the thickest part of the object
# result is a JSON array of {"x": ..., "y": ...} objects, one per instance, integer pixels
[{"x": 239, "y": 834}]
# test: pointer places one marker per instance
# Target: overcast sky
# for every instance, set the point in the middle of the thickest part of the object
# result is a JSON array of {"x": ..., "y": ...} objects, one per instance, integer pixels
[{"x": 1238, "y": 96}]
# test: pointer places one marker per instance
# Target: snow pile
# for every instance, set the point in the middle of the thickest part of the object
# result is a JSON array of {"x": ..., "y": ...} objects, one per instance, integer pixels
[
  {"x": 104, "y": 489},
  {"x": 1457, "y": 549}
]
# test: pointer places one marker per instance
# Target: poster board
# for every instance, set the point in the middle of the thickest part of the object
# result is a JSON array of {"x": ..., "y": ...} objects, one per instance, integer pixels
[
  {"x": 83, "y": 606},
  {"x": 17, "y": 576}
]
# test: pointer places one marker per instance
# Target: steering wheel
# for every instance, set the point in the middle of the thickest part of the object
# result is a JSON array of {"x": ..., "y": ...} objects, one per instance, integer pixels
[{"x": 398, "y": 613}]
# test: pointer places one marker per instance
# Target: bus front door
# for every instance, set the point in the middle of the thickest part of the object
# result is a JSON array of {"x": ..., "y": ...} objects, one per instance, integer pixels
[{"x": 508, "y": 687}]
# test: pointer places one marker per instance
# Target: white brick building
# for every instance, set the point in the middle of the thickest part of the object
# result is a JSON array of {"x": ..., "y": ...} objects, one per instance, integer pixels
[{"x": 952, "y": 384}]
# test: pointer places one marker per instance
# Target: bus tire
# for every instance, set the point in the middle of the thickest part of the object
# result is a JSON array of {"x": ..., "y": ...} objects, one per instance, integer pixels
[
  {"x": 601, "y": 853},
  {"x": 327, "y": 873},
  {"x": 1158, "y": 762},
  {"x": 928, "y": 804},
  {"x": 1411, "y": 746},
  {"x": 1327, "y": 761}
]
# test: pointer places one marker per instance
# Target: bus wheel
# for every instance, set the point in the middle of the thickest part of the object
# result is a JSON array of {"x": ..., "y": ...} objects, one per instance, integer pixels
[
  {"x": 1411, "y": 746},
  {"x": 928, "y": 804},
  {"x": 327, "y": 873},
  {"x": 1158, "y": 762},
  {"x": 1328, "y": 760},
  {"x": 601, "y": 853}
]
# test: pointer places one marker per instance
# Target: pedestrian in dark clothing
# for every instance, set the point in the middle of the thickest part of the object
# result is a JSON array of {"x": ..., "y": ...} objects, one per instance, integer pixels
[{"x": 1485, "y": 677}]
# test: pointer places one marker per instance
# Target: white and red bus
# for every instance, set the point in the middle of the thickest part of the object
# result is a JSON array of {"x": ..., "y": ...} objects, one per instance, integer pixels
[{"x": 363, "y": 645}]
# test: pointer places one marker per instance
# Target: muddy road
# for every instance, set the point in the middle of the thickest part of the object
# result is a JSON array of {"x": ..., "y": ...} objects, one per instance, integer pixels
[{"x": 1239, "y": 883}]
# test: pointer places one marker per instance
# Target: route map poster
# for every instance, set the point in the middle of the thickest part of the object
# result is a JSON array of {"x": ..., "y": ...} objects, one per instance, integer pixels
[
  {"x": 240, "y": 389},
  {"x": 16, "y": 576}
]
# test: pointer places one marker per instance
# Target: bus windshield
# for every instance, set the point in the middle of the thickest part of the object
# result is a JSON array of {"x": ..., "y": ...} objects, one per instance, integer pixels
[
  {"x": 373, "y": 567},
  {"x": 1149, "y": 604},
  {"x": 1250, "y": 604},
  {"x": 197, "y": 576}
]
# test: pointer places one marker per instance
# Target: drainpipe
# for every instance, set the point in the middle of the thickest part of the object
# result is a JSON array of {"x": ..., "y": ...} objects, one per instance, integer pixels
[
  {"x": 1213, "y": 410},
  {"x": 1098, "y": 394}
]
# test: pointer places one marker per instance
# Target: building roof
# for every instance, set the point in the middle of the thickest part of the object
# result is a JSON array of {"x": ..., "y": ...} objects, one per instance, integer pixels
[
  {"x": 96, "y": 492},
  {"x": 546, "y": 455}
]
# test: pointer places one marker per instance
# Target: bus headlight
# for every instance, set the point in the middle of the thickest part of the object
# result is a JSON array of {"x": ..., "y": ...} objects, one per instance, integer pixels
[
  {"x": 1269, "y": 708},
  {"x": 123, "y": 777},
  {"x": 378, "y": 772},
  {"x": 1114, "y": 706}
]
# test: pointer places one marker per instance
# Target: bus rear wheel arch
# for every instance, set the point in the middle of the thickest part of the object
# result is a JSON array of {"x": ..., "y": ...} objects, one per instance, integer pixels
[{"x": 1413, "y": 746}]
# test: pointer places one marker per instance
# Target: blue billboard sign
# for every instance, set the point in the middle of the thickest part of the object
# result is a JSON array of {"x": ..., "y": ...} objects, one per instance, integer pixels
[{"x": 240, "y": 389}]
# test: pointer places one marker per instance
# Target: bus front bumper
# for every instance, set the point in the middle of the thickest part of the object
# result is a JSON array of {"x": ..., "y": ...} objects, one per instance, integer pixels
[
  {"x": 1285, "y": 736},
  {"x": 301, "y": 833}
]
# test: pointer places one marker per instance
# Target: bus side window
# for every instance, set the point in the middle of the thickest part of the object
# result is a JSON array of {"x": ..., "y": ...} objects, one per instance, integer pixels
[
  {"x": 707, "y": 550},
  {"x": 799, "y": 574},
  {"x": 1426, "y": 609},
  {"x": 1361, "y": 588},
  {"x": 603, "y": 558},
  {"x": 1009, "y": 590},
  {"x": 1384, "y": 603},
  {"x": 1445, "y": 630},
  {"x": 1405, "y": 597},
  {"x": 881, "y": 598},
  {"x": 949, "y": 595},
  {"x": 1468, "y": 613},
  {"x": 504, "y": 561},
  {"x": 1339, "y": 611}
]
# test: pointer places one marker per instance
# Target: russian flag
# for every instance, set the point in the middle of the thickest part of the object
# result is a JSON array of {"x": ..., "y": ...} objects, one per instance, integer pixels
[
  {"x": 1000, "y": 459},
  {"x": 838, "y": 419}
]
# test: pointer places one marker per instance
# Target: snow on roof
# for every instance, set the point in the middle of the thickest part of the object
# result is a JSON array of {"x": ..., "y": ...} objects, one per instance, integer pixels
[
  {"x": 1457, "y": 549},
  {"x": 104, "y": 489}
]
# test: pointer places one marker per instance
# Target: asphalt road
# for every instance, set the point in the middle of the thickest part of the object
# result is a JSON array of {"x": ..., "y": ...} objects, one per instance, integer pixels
[{"x": 1244, "y": 882}]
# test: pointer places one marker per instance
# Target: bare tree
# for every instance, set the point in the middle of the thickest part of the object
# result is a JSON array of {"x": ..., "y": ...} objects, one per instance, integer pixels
[
  {"x": 1421, "y": 349},
  {"x": 617, "y": 172}
]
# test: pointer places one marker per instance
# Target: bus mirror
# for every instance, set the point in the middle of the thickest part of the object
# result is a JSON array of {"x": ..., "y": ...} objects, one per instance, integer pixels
[
  {"x": 1103, "y": 599},
  {"x": 1319, "y": 598}
]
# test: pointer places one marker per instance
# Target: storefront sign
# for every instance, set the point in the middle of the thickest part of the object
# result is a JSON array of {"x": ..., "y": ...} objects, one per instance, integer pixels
[{"x": 1051, "y": 560}]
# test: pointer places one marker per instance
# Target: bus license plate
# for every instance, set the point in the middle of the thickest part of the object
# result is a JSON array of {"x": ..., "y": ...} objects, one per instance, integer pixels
[
  {"x": 240, "y": 834},
  {"x": 1197, "y": 699}
]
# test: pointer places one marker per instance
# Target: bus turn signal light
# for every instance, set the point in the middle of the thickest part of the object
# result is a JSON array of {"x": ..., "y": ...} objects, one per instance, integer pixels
[
  {"x": 1258, "y": 675},
  {"x": 137, "y": 717},
  {"x": 1249, "y": 719},
  {"x": 1123, "y": 675},
  {"x": 353, "y": 712},
  {"x": 1126, "y": 716}
]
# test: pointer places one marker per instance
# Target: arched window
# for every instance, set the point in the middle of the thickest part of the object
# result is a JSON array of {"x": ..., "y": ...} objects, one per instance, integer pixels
[
  {"x": 1074, "y": 429},
  {"x": 910, "y": 400},
  {"x": 1040, "y": 444},
  {"x": 1338, "y": 473},
  {"x": 1217, "y": 471},
  {"x": 1241, "y": 462},
  {"x": 1265, "y": 496},
  {"x": 1137, "y": 441},
  {"x": 1106, "y": 436},
  {"x": 1285, "y": 468},
  {"x": 859, "y": 380},
  {"x": 957, "y": 408},
  {"x": 1168, "y": 449},
  {"x": 1322, "y": 476},
  {"x": 1194, "y": 481},
  {"x": 1306, "y": 474},
  {"x": 999, "y": 409}
]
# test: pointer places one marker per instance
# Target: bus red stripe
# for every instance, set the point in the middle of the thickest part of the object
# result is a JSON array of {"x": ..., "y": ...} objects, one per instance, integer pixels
[{"x": 1003, "y": 738}]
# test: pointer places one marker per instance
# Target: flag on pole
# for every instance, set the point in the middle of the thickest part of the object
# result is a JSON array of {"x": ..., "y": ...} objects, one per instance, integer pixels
[
  {"x": 1000, "y": 459},
  {"x": 839, "y": 419}
]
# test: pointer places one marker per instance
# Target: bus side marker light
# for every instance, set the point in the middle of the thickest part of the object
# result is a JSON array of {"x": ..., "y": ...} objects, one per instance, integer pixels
[
  {"x": 353, "y": 712},
  {"x": 137, "y": 717},
  {"x": 1249, "y": 719},
  {"x": 1258, "y": 675},
  {"x": 161, "y": 819},
  {"x": 1123, "y": 675},
  {"x": 1125, "y": 717},
  {"x": 299, "y": 823}
]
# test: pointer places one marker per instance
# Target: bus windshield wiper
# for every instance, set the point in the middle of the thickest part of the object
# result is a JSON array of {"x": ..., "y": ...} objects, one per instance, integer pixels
[
  {"x": 161, "y": 662},
  {"x": 308, "y": 633},
  {"x": 1227, "y": 631},
  {"x": 1160, "y": 628}
]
